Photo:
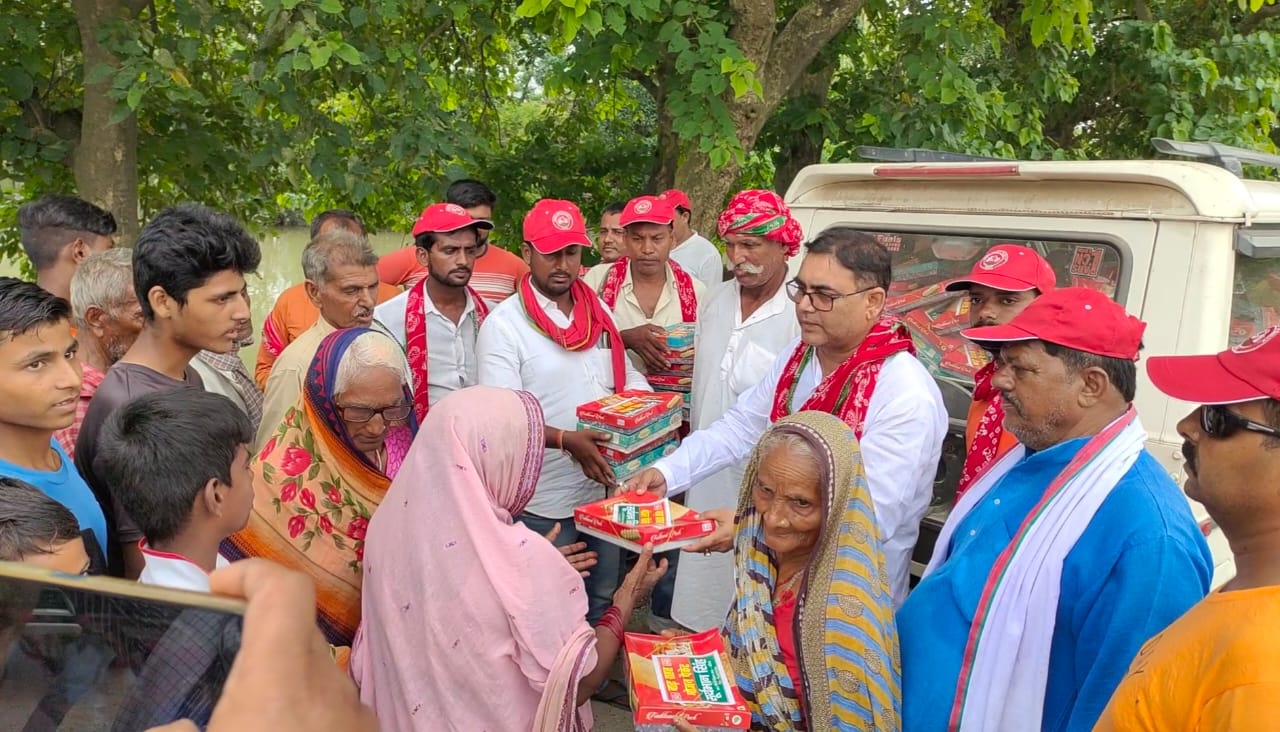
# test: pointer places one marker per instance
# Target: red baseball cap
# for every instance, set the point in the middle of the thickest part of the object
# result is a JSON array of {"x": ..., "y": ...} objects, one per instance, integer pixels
[
  {"x": 442, "y": 218},
  {"x": 1073, "y": 317},
  {"x": 647, "y": 210},
  {"x": 1011, "y": 268},
  {"x": 677, "y": 198},
  {"x": 1247, "y": 372},
  {"x": 554, "y": 224}
]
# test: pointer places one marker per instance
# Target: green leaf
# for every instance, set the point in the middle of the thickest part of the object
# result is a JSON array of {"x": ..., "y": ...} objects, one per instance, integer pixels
[
  {"x": 290, "y": 4},
  {"x": 320, "y": 54},
  {"x": 97, "y": 75},
  {"x": 164, "y": 59},
  {"x": 333, "y": 7},
  {"x": 134, "y": 97},
  {"x": 358, "y": 17},
  {"x": 349, "y": 54}
]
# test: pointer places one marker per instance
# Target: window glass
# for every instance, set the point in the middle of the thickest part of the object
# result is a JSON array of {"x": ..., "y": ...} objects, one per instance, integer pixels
[{"x": 1255, "y": 300}]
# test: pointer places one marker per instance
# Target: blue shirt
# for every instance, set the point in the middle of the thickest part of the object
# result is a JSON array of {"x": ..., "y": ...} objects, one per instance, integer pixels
[
  {"x": 65, "y": 486},
  {"x": 1137, "y": 567}
]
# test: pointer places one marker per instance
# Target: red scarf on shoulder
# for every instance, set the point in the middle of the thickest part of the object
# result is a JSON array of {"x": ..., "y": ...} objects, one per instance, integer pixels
[
  {"x": 415, "y": 333},
  {"x": 986, "y": 439},
  {"x": 588, "y": 322},
  {"x": 612, "y": 286},
  {"x": 845, "y": 392}
]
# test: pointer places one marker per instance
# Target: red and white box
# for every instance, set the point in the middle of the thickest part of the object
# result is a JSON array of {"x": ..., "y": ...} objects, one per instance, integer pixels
[
  {"x": 632, "y": 520},
  {"x": 629, "y": 411},
  {"x": 686, "y": 676}
]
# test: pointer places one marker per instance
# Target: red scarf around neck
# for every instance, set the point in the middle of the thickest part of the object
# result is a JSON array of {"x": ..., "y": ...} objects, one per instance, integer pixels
[
  {"x": 588, "y": 322},
  {"x": 415, "y": 332},
  {"x": 986, "y": 439},
  {"x": 845, "y": 392},
  {"x": 612, "y": 287}
]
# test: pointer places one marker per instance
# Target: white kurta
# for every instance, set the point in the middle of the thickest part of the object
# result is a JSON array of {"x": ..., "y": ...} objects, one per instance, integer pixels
[{"x": 731, "y": 357}]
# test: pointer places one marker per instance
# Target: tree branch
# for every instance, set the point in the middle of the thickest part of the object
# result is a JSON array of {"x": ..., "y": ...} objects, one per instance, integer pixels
[
  {"x": 808, "y": 31},
  {"x": 1255, "y": 20}
]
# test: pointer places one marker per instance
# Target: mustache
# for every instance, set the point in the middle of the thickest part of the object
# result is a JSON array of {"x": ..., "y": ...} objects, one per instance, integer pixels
[
  {"x": 1189, "y": 453},
  {"x": 750, "y": 269}
]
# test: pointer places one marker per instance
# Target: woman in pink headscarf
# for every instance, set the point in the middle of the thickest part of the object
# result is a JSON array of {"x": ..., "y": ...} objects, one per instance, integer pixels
[{"x": 470, "y": 621}]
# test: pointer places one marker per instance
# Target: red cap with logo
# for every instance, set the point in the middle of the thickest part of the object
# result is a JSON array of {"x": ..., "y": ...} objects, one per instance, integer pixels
[
  {"x": 554, "y": 224},
  {"x": 1073, "y": 317},
  {"x": 677, "y": 197},
  {"x": 1011, "y": 268},
  {"x": 1247, "y": 372},
  {"x": 442, "y": 218},
  {"x": 647, "y": 210}
]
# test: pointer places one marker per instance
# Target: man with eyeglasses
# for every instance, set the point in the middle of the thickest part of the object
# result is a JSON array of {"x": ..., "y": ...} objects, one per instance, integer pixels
[
  {"x": 1002, "y": 284},
  {"x": 852, "y": 362},
  {"x": 438, "y": 320},
  {"x": 1063, "y": 556},
  {"x": 1216, "y": 665}
]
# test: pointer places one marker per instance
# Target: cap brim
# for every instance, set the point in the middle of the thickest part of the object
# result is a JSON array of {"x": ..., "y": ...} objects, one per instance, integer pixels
[
  {"x": 1199, "y": 380},
  {"x": 477, "y": 223},
  {"x": 648, "y": 220},
  {"x": 553, "y": 243},
  {"x": 997, "y": 334},
  {"x": 998, "y": 282}
]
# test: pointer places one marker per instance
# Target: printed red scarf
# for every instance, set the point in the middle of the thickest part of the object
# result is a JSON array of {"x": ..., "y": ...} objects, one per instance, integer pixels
[
  {"x": 986, "y": 439},
  {"x": 684, "y": 288},
  {"x": 588, "y": 323},
  {"x": 415, "y": 331},
  {"x": 847, "y": 391}
]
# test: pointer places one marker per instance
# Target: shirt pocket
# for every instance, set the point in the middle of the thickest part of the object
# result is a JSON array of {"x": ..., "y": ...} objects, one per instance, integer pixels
[{"x": 750, "y": 364}]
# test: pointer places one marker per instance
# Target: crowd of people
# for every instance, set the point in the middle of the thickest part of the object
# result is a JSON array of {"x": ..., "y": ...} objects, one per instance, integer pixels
[{"x": 407, "y": 456}]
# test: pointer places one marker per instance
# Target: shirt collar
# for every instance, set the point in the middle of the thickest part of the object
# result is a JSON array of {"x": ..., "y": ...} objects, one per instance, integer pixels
[
  {"x": 174, "y": 570},
  {"x": 91, "y": 381},
  {"x": 776, "y": 305},
  {"x": 429, "y": 305},
  {"x": 545, "y": 302}
]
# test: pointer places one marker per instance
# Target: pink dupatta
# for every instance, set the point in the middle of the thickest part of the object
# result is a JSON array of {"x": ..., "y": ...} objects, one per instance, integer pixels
[{"x": 471, "y": 621}]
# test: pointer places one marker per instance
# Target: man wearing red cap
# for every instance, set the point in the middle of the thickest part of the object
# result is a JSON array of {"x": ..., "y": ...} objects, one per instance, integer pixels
[
  {"x": 646, "y": 290},
  {"x": 1002, "y": 284},
  {"x": 849, "y": 362},
  {"x": 438, "y": 319},
  {"x": 1064, "y": 555},
  {"x": 1218, "y": 666},
  {"x": 342, "y": 283},
  {"x": 557, "y": 341},
  {"x": 691, "y": 250}
]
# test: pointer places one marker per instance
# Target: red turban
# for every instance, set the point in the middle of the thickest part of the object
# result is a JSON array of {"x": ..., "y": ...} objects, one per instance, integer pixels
[{"x": 762, "y": 213}]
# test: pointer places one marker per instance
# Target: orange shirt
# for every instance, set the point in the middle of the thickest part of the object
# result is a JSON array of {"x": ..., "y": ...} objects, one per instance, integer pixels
[
  {"x": 976, "y": 410},
  {"x": 495, "y": 275},
  {"x": 1216, "y": 668},
  {"x": 291, "y": 316}
]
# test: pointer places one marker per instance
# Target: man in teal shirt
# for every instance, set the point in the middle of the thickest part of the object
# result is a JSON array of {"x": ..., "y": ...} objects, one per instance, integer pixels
[{"x": 1067, "y": 554}]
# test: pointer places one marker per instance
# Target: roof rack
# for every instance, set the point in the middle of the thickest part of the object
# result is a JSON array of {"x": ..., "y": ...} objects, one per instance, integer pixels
[
  {"x": 1233, "y": 159},
  {"x": 917, "y": 155}
]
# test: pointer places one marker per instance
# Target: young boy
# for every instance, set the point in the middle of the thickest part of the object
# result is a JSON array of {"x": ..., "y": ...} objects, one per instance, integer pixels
[
  {"x": 179, "y": 461},
  {"x": 37, "y": 530}
]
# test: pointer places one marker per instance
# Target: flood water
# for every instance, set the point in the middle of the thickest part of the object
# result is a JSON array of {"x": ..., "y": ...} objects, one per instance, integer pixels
[{"x": 281, "y": 268}]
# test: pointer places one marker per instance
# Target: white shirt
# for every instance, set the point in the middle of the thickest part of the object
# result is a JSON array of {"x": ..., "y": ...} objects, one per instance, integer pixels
[
  {"x": 451, "y": 347},
  {"x": 174, "y": 570},
  {"x": 901, "y": 443},
  {"x": 514, "y": 355},
  {"x": 732, "y": 356},
  {"x": 627, "y": 312},
  {"x": 700, "y": 258}
]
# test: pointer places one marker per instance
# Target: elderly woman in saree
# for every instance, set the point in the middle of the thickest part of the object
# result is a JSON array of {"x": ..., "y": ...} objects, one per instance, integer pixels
[
  {"x": 471, "y": 620},
  {"x": 326, "y": 468},
  {"x": 811, "y": 631}
]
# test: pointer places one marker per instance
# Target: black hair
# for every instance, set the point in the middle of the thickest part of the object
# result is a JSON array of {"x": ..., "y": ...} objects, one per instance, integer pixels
[
  {"x": 25, "y": 306},
  {"x": 49, "y": 224},
  {"x": 158, "y": 451},
  {"x": 614, "y": 208},
  {"x": 349, "y": 219},
  {"x": 858, "y": 252},
  {"x": 32, "y": 523},
  {"x": 469, "y": 193},
  {"x": 425, "y": 240},
  {"x": 184, "y": 246},
  {"x": 1122, "y": 372},
  {"x": 1271, "y": 415}
]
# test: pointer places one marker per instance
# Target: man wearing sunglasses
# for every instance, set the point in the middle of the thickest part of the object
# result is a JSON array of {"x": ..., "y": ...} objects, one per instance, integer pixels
[
  {"x": 852, "y": 362},
  {"x": 1217, "y": 664},
  {"x": 1002, "y": 284},
  {"x": 1064, "y": 555},
  {"x": 438, "y": 320}
]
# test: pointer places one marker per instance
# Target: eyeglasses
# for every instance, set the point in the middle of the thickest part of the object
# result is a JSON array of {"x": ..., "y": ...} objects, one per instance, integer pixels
[
  {"x": 821, "y": 301},
  {"x": 1220, "y": 423},
  {"x": 360, "y": 415}
]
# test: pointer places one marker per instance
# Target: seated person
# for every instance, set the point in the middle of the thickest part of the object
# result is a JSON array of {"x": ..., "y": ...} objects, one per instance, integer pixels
[
  {"x": 37, "y": 530},
  {"x": 325, "y": 467},
  {"x": 470, "y": 616},
  {"x": 179, "y": 461}
]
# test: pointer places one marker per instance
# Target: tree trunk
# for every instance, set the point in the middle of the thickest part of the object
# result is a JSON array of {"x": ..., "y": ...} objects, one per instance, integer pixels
[
  {"x": 105, "y": 161},
  {"x": 804, "y": 146},
  {"x": 667, "y": 161}
]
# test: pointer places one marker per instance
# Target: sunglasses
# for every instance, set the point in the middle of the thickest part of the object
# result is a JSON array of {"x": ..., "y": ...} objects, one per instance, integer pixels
[{"x": 1218, "y": 422}]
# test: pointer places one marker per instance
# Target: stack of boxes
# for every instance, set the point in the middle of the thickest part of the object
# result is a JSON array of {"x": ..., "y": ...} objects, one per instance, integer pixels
[
  {"x": 643, "y": 427},
  {"x": 678, "y": 377}
]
